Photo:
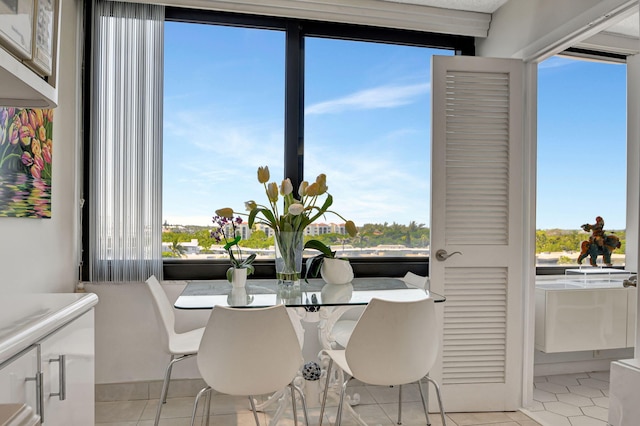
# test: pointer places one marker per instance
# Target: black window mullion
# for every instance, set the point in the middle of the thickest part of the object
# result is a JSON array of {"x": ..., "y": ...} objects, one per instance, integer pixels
[{"x": 294, "y": 105}]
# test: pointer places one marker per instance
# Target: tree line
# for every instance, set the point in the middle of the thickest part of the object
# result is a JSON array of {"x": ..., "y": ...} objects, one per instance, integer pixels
[
  {"x": 369, "y": 235},
  {"x": 560, "y": 240},
  {"x": 413, "y": 235}
]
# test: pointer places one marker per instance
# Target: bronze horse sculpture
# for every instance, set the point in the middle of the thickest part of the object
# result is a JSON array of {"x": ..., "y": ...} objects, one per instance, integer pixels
[{"x": 599, "y": 244}]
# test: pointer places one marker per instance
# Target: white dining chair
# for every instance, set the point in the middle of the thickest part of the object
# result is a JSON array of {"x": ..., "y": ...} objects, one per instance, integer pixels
[
  {"x": 342, "y": 329},
  {"x": 250, "y": 352},
  {"x": 179, "y": 346},
  {"x": 393, "y": 343}
]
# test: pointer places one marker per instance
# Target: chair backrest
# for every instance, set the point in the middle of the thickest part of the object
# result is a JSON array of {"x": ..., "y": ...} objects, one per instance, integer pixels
[
  {"x": 164, "y": 311},
  {"x": 393, "y": 342},
  {"x": 249, "y": 351},
  {"x": 413, "y": 280}
]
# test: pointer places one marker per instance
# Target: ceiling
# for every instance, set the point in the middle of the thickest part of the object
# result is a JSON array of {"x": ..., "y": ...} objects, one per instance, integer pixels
[{"x": 626, "y": 28}]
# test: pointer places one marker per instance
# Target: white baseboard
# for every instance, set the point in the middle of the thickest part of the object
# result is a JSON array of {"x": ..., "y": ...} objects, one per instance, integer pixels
[{"x": 571, "y": 367}]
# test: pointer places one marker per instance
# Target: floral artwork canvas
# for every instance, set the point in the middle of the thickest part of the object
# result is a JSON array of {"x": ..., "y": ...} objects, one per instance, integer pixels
[{"x": 25, "y": 162}]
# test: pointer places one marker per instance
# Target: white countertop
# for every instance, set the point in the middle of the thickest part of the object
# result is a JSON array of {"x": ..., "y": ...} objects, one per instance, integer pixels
[{"x": 27, "y": 318}]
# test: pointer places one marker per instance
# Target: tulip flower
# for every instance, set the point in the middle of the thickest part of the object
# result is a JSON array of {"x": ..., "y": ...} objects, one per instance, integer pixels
[
  {"x": 14, "y": 133},
  {"x": 313, "y": 190},
  {"x": 226, "y": 212},
  {"x": 26, "y": 159},
  {"x": 351, "y": 228},
  {"x": 272, "y": 192},
  {"x": 33, "y": 119},
  {"x": 321, "y": 180},
  {"x": 35, "y": 171},
  {"x": 296, "y": 209},
  {"x": 46, "y": 151},
  {"x": 302, "y": 190},
  {"x": 263, "y": 174},
  {"x": 39, "y": 117},
  {"x": 286, "y": 187},
  {"x": 250, "y": 205},
  {"x": 26, "y": 133},
  {"x": 36, "y": 147}
]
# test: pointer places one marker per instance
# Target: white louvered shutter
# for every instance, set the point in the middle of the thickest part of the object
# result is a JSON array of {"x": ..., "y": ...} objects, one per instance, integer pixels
[{"x": 476, "y": 209}]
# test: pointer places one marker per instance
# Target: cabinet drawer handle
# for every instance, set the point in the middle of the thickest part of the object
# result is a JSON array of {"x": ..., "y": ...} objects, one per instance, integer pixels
[
  {"x": 62, "y": 381},
  {"x": 39, "y": 393}
]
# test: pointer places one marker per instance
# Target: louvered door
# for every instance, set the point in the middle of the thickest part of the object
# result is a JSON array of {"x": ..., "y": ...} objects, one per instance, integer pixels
[{"x": 476, "y": 211}]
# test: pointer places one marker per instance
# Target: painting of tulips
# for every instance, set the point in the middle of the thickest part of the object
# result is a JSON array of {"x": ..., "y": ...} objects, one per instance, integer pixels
[{"x": 25, "y": 162}]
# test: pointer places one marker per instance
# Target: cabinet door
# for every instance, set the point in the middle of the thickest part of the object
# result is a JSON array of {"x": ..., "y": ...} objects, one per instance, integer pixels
[
  {"x": 18, "y": 379},
  {"x": 67, "y": 363},
  {"x": 632, "y": 303}
]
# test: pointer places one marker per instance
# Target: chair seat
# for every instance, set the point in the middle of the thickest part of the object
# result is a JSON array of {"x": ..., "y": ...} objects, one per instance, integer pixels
[
  {"x": 341, "y": 331},
  {"x": 187, "y": 342}
]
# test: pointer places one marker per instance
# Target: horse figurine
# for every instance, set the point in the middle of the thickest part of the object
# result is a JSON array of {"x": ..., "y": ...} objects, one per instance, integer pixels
[{"x": 599, "y": 244}]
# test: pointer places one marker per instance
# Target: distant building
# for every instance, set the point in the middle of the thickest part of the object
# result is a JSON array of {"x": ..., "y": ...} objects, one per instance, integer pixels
[{"x": 191, "y": 247}]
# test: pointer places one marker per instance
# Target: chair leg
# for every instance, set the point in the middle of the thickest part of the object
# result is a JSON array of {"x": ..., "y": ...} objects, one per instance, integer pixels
[
  {"x": 253, "y": 408},
  {"x": 165, "y": 384},
  {"x": 304, "y": 402},
  {"x": 326, "y": 389},
  {"x": 424, "y": 403},
  {"x": 435, "y": 384},
  {"x": 343, "y": 391},
  {"x": 399, "y": 404},
  {"x": 294, "y": 412},
  {"x": 195, "y": 404},
  {"x": 207, "y": 408}
]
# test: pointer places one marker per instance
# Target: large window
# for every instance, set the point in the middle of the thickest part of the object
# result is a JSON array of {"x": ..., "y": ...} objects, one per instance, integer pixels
[
  {"x": 581, "y": 157},
  {"x": 304, "y": 98},
  {"x": 367, "y": 125}
]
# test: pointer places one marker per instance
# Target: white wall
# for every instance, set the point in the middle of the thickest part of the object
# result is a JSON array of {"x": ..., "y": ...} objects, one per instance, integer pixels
[
  {"x": 526, "y": 29},
  {"x": 128, "y": 345},
  {"x": 40, "y": 255}
]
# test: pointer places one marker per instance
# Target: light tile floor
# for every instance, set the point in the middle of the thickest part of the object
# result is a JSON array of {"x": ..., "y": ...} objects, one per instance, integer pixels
[
  {"x": 571, "y": 399},
  {"x": 377, "y": 406}
]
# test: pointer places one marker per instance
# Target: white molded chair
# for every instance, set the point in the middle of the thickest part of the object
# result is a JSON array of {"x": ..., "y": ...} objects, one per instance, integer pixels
[
  {"x": 342, "y": 329},
  {"x": 393, "y": 343},
  {"x": 179, "y": 346},
  {"x": 250, "y": 352}
]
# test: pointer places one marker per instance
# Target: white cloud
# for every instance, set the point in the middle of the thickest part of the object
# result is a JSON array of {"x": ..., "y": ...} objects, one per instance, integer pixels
[
  {"x": 378, "y": 97},
  {"x": 556, "y": 62}
]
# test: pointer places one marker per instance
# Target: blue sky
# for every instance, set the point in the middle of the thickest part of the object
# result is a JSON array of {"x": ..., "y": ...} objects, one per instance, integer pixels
[
  {"x": 581, "y": 144},
  {"x": 367, "y": 127}
]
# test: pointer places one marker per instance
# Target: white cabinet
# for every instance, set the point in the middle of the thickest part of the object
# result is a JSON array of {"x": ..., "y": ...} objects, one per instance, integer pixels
[
  {"x": 18, "y": 379},
  {"x": 632, "y": 307},
  {"x": 49, "y": 337},
  {"x": 23, "y": 81},
  {"x": 67, "y": 365},
  {"x": 570, "y": 318}
]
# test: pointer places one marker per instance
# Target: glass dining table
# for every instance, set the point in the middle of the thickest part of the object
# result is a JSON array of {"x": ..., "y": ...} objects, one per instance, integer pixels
[
  {"x": 311, "y": 295},
  {"x": 311, "y": 302}
]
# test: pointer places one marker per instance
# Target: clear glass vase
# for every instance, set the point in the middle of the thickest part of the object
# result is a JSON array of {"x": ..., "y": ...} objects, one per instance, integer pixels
[{"x": 289, "y": 248}]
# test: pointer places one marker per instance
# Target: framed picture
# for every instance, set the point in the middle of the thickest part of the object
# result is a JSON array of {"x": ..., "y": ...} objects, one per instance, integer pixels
[
  {"x": 44, "y": 32},
  {"x": 26, "y": 162},
  {"x": 16, "y": 26}
]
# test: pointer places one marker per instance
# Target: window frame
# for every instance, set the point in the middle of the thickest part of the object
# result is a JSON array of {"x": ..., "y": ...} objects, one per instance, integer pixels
[{"x": 295, "y": 32}]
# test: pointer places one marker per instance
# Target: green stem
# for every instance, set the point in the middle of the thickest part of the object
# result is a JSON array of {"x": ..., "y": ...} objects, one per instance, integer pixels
[{"x": 7, "y": 157}]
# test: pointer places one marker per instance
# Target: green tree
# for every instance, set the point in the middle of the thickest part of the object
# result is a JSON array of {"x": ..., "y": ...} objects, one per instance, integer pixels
[{"x": 177, "y": 250}]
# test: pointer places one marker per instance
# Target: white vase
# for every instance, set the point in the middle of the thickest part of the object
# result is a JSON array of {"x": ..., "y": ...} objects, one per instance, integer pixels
[
  {"x": 238, "y": 297},
  {"x": 239, "y": 277},
  {"x": 336, "y": 293},
  {"x": 336, "y": 271}
]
